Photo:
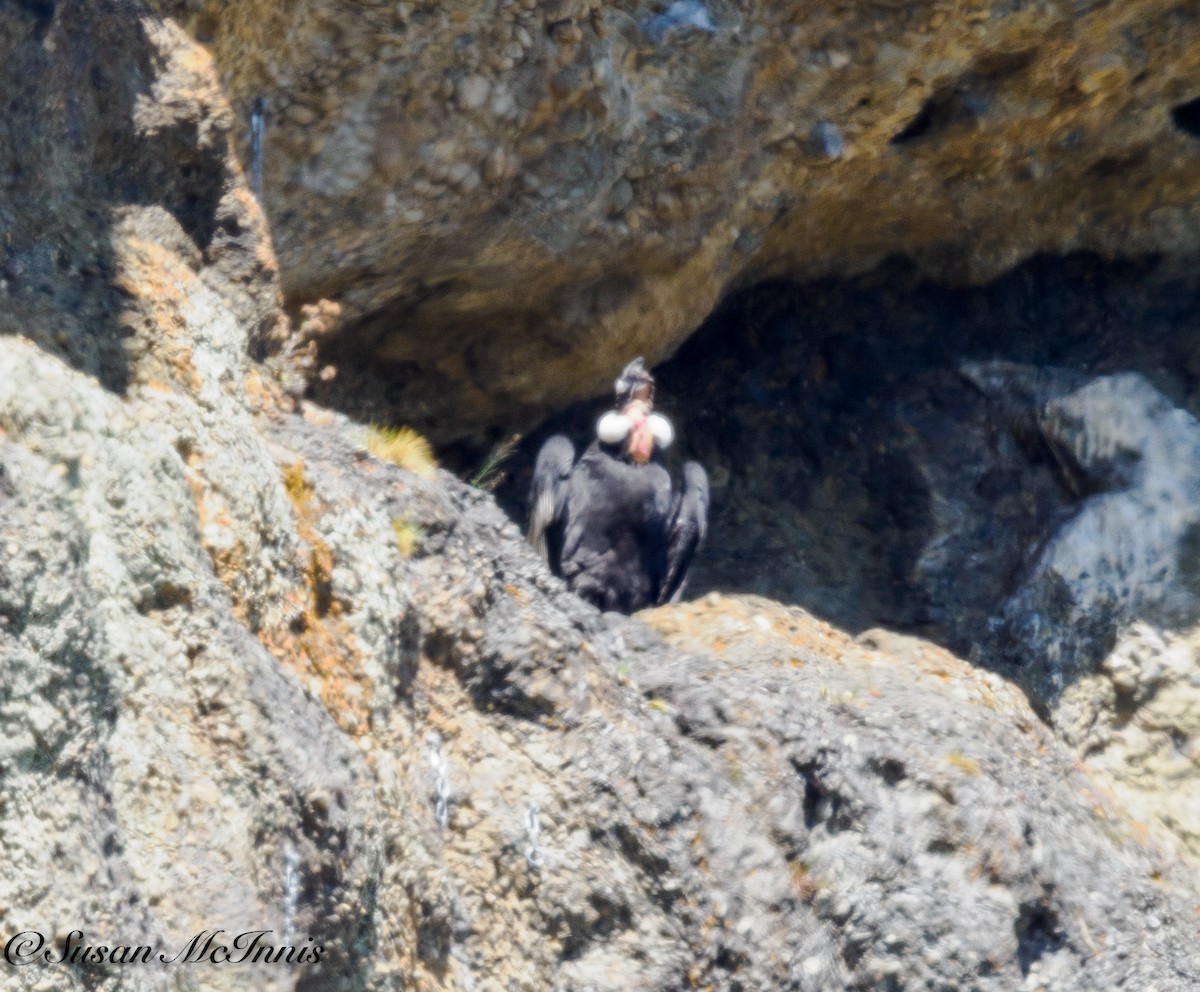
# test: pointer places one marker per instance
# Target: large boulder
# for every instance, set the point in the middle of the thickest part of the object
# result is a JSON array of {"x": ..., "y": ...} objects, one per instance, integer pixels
[
  {"x": 511, "y": 199},
  {"x": 1126, "y": 547}
]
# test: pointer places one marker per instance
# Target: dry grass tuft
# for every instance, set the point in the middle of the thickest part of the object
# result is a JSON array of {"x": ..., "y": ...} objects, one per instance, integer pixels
[
  {"x": 491, "y": 473},
  {"x": 963, "y": 763},
  {"x": 407, "y": 535},
  {"x": 404, "y": 447}
]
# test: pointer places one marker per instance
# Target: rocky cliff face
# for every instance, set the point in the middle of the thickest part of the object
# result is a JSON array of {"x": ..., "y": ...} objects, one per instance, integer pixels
[
  {"x": 254, "y": 678},
  {"x": 627, "y": 163},
  {"x": 786, "y": 809},
  {"x": 116, "y": 161}
]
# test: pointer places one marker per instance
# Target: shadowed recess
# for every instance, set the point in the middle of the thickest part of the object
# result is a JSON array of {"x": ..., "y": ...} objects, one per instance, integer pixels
[
  {"x": 1186, "y": 117},
  {"x": 864, "y": 469}
]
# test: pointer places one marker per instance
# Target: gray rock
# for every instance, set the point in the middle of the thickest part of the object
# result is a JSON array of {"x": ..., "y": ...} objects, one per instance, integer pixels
[
  {"x": 220, "y": 674},
  {"x": 1127, "y": 550}
]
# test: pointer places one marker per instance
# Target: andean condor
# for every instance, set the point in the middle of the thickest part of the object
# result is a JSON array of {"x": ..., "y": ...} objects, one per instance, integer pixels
[{"x": 612, "y": 524}]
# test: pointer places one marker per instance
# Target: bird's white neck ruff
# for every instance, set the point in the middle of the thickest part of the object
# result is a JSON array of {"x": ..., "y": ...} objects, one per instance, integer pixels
[
  {"x": 614, "y": 427},
  {"x": 662, "y": 430}
]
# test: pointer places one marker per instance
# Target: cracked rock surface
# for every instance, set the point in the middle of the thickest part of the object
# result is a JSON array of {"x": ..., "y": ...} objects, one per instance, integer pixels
[
  {"x": 511, "y": 198},
  {"x": 254, "y": 679},
  {"x": 754, "y": 802}
]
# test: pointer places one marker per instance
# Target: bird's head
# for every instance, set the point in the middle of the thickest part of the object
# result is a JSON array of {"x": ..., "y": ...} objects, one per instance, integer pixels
[
  {"x": 634, "y": 424},
  {"x": 634, "y": 383}
]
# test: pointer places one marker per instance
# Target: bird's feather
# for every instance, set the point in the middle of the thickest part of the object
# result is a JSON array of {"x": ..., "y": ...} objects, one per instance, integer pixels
[
  {"x": 547, "y": 496},
  {"x": 689, "y": 523}
]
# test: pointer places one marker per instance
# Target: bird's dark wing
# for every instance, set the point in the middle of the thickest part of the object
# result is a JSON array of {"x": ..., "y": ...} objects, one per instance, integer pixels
[
  {"x": 689, "y": 523},
  {"x": 548, "y": 499}
]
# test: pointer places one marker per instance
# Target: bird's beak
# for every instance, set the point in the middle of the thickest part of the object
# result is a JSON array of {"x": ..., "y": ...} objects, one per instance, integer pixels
[
  {"x": 641, "y": 444},
  {"x": 641, "y": 437}
]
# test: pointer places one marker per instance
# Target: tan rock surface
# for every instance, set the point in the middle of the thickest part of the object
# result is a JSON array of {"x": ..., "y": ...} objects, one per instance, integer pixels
[
  {"x": 1135, "y": 724},
  {"x": 511, "y": 199}
]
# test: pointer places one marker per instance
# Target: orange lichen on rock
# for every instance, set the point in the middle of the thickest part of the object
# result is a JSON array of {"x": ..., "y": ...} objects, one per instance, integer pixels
[
  {"x": 318, "y": 642},
  {"x": 724, "y": 625},
  {"x": 262, "y": 393},
  {"x": 159, "y": 285}
]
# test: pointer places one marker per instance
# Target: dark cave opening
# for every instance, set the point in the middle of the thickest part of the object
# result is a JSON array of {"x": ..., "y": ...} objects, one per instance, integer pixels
[
  {"x": 1186, "y": 117},
  {"x": 872, "y": 463},
  {"x": 935, "y": 112}
]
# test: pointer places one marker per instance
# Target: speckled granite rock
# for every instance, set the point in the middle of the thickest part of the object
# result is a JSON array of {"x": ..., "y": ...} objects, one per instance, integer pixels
[
  {"x": 229, "y": 700},
  {"x": 787, "y": 810},
  {"x": 147, "y": 534},
  {"x": 898, "y": 802},
  {"x": 115, "y": 155},
  {"x": 1133, "y": 724},
  {"x": 510, "y": 199}
]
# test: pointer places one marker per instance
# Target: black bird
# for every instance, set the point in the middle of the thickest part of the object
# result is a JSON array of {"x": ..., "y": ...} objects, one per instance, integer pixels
[{"x": 612, "y": 524}]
